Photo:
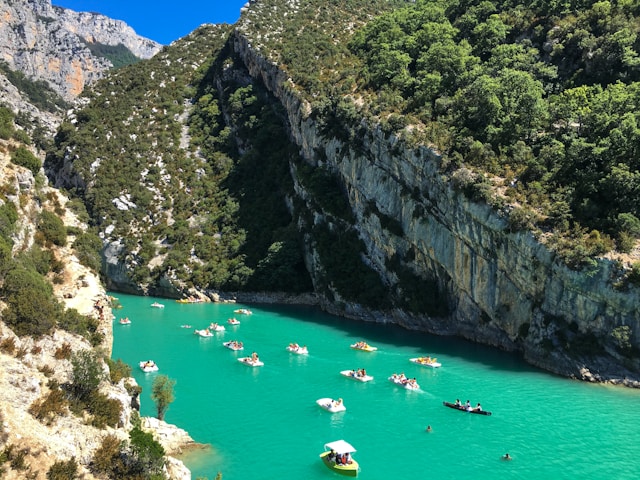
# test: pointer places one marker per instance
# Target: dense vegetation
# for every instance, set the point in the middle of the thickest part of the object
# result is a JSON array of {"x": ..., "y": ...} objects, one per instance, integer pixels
[
  {"x": 532, "y": 107},
  {"x": 541, "y": 100},
  {"x": 27, "y": 272},
  {"x": 118, "y": 55},
  {"x": 189, "y": 201}
]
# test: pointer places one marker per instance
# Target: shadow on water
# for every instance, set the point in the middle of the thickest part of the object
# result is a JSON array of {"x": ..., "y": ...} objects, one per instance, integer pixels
[{"x": 395, "y": 335}]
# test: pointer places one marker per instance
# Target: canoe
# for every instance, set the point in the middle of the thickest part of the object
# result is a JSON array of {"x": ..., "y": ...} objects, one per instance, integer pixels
[{"x": 463, "y": 409}]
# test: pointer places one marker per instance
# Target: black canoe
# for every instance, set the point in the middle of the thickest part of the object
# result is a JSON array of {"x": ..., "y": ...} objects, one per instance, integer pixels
[{"x": 462, "y": 409}]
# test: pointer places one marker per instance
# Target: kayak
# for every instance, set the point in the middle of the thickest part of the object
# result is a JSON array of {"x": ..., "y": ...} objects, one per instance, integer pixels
[{"x": 463, "y": 409}]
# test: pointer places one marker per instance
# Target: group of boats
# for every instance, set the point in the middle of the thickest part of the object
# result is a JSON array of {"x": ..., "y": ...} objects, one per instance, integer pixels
[{"x": 338, "y": 454}]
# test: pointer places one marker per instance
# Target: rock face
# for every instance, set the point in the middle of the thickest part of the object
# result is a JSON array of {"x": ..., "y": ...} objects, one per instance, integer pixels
[
  {"x": 500, "y": 288},
  {"x": 50, "y": 43}
]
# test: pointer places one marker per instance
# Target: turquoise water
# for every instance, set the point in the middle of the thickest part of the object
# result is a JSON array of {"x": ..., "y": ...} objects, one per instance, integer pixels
[{"x": 263, "y": 423}]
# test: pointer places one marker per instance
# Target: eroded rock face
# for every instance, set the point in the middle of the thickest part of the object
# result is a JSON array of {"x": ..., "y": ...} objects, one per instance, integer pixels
[
  {"x": 500, "y": 288},
  {"x": 50, "y": 43}
]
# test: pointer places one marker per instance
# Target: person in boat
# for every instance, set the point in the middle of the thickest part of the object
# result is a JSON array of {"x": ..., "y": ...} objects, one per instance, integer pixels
[
  {"x": 458, "y": 403},
  {"x": 346, "y": 459},
  {"x": 467, "y": 406},
  {"x": 332, "y": 455},
  {"x": 477, "y": 408}
]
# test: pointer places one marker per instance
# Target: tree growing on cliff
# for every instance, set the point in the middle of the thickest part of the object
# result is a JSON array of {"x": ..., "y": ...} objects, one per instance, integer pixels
[{"x": 162, "y": 394}]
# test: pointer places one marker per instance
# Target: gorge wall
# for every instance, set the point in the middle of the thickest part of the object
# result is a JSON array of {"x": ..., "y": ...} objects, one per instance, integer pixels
[
  {"x": 46, "y": 42},
  {"x": 501, "y": 288}
]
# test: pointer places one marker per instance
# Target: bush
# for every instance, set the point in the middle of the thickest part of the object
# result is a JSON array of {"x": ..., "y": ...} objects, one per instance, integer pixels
[
  {"x": 108, "y": 458},
  {"x": 86, "y": 374},
  {"x": 46, "y": 409},
  {"x": 23, "y": 157},
  {"x": 8, "y": 345},
  {"x": 148, "y": 452},
  {"x": 62, "y": 470},
  {"x": 106, "y": 411},
  {"x": 88, "y": 246},
  {"x": 52, "y": 228},
  {"x": 74, "y": 322},
  {"x": 63, "y": 352},
  {"x": 118, "y": 370}
]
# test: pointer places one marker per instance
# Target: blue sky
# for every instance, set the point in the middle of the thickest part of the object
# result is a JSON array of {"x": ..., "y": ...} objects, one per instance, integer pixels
[{"x": 161, "y": 20}]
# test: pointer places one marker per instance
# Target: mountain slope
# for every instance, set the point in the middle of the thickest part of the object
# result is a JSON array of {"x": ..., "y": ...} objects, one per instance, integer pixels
[
  {"x": 57, "y": 45},
  {"x": 281, "y": 148}
]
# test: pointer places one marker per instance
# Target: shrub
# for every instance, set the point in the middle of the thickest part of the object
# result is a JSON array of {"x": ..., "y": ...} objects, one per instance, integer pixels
[
  {"x": 31, "y": 307},
  {"x": 88, "y": 246},
  {"x": 86, "y": 374},
  {"x": 108, "y": 458},
  {"x": 8, "y": 345},
  {"x": 46, "y": 370},
  {"x": 63, "y": 352},
  {"x": 74, "y": 322},
  {"x": 118, "y": 370},
  {"x": 148, "y": 452},
  {"x": 52, "y": 228},
  {"x": 62, "y": 470},
  {"x": 48, "y": 408},
  {"x": 106, "y": 411},
  {"x": 23, "y": 157}
]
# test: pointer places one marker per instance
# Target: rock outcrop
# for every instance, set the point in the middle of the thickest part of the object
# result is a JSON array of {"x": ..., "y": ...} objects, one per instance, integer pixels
[
  {"x": 51, "y": 43},
  {"x": 499, "y": 288}
]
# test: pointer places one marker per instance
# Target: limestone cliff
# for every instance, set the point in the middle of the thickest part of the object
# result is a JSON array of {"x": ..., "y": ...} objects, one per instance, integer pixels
[
  {"x": 51, "y": 43},
  {"x": 30, "y": 366},
  {"x": 500, "y": 288}
]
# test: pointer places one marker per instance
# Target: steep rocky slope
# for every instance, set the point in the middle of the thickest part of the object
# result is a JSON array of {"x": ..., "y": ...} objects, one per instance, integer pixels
[
  {"x": 31, "y": 367},
  {"x": 52, "y": 43},
  {"x": 482, "y": 281},
  {"x": 431, "y": 259}
]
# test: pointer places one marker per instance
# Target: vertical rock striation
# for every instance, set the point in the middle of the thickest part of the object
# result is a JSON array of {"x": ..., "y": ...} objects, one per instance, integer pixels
[{"x": 501, "y": 288}]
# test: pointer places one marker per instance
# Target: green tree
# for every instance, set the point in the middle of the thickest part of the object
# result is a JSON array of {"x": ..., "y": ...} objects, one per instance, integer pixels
[
  {"x": 86, "y": 374},
  {"x": 52, "y": 228},
  {"x": 23, "y": 157},
  {"x": 162, "y": 394}
]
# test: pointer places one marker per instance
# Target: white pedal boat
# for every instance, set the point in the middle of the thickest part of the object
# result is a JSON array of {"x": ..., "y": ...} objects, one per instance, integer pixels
[
  {"x": 426, "y": 362},
  {"x": 234, "y": 345},
  {"x": 203, "y": 333},
  {"x": 148, "y": 366},
  {"x": 251, "y": 362},
  {"x": 356, "y": 376},
  {"x": 297, "y": 349},
  {"x": 404, "y": 382},
  {"x": 331, "y": 405}
]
